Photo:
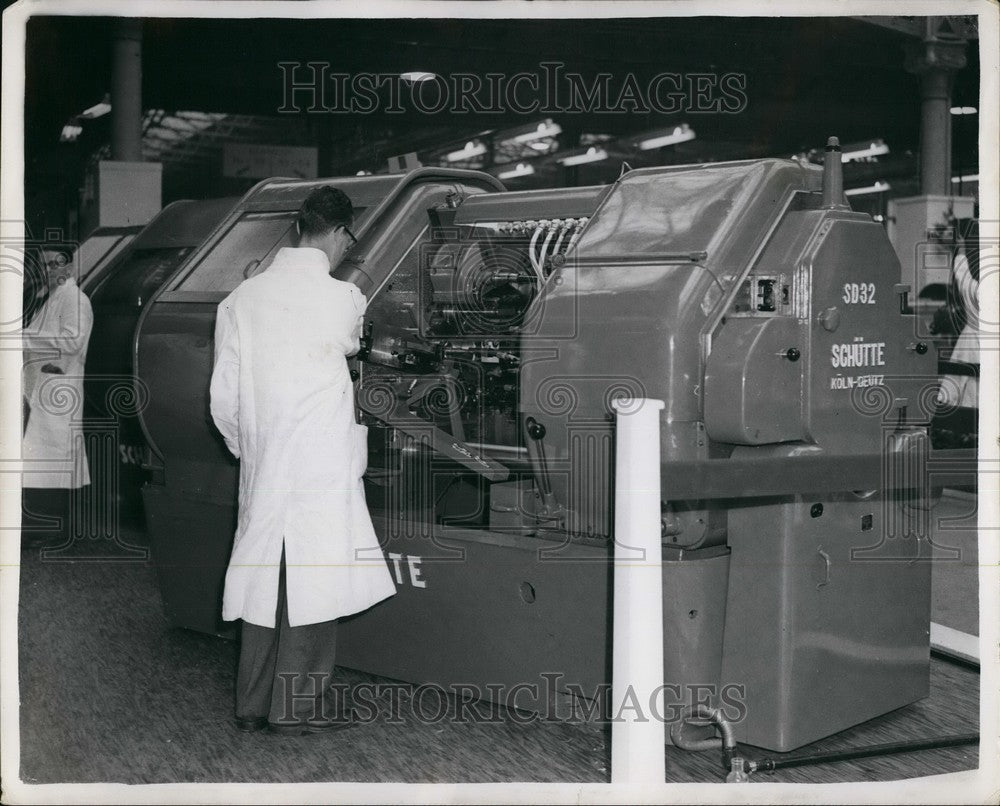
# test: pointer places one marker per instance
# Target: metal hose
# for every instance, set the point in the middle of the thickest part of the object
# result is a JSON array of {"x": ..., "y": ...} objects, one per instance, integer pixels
[
  {"x": 545, "y": 249},
  {"x": 727, "y": 742},
  {"x": 768, "y": 764},
  {"x": 534, "y": 258}
]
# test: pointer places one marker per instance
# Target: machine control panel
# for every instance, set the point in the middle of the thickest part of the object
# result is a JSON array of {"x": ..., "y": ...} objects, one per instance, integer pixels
[{"x": 764, "y": 294}]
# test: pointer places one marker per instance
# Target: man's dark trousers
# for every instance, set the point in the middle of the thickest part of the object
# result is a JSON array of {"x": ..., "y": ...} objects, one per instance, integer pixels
[
  {"x": 284, "y": 671},
  {"x": 45, "y": 517}
]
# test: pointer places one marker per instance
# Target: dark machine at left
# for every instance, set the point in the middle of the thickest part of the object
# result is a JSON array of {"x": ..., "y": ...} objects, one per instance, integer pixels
[{"x": 129, "y": 271}]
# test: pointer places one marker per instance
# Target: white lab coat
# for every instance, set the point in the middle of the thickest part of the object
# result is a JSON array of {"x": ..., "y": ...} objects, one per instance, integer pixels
[
  {"x": 52, "y": 446},
  {"x": 963, "y": 390},
  {"x": 281, "y": 395}
]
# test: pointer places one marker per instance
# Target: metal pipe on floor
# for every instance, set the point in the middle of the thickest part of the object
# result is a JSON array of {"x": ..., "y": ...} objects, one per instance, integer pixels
[
  {"x": 637, "y": 738},
  {"x": 887, "y": 749}
]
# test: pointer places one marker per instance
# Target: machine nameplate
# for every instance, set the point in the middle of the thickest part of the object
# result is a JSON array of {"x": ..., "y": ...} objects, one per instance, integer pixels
[
  {"x": 858, "y": 354},
  {"x": 412, "y": 565},
  {"x": 859, "y": 293},
  {"x": 856, "y": 381}
]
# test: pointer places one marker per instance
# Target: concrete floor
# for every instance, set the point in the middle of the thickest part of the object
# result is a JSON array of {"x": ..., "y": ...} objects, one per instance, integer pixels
[
  {"x": 955, "y": 573},
  {"x": 110, "y": 692}
]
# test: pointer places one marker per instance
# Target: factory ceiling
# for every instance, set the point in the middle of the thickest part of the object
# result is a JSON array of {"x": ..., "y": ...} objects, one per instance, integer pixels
[{"x": 793, "y": 81}]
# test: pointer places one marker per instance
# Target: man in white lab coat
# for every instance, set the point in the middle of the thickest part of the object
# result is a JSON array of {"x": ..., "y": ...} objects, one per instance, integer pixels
[
  {"x": 962, "y": 391},
  {"x": 54, "y": 460},
  {"x": 305, "y": 551}
]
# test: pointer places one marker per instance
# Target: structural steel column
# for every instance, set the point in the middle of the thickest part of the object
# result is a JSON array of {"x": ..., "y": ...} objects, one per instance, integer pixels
[
  {"x": 126, "y": 92},
  {"x": 936, "y": 60},
  {"x": 935, "y": 132}
]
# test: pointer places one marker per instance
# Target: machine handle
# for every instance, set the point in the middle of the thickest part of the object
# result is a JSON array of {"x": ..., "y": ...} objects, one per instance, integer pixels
[
  {"x": 826, "y": 569},
  {"x": 902, "y": 291}
]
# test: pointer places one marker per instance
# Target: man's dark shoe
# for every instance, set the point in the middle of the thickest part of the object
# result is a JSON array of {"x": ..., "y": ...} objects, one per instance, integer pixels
[
  {"x": 251, "y": 724},
  {"x": 313, "y": 726}
]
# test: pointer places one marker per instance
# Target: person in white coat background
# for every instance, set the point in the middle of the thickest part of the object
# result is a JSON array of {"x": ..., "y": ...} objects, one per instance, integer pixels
[
  {"x": 962, "y": 391},
  {"x": 305, "y": 552},
  {"x": 956, "y": 417},
  {"x": 53, "y": 457}
]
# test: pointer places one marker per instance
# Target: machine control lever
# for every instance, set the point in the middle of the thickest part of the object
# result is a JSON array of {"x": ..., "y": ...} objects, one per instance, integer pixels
[
  {"x": 366, "y": 342},
  {"x": 550, "y": 509},
  {"x": 535, "y": 429}
]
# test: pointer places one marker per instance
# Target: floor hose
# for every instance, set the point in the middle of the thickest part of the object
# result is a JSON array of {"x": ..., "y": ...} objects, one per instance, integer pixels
[
  {"x": 767, "y": 764},
  {"x": 739, "y": 768}
]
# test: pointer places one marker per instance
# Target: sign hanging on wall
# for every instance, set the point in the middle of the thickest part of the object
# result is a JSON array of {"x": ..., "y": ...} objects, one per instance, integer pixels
[{"x": 255, "y": 161}]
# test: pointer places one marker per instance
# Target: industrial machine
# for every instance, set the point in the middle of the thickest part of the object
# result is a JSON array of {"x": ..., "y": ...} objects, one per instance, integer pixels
[
  {"x": 118, "y": 288},
  {"x": 101, "y": 247},
  {"x": 955, "y": 326},
  {"x": 501, "y": 327}
]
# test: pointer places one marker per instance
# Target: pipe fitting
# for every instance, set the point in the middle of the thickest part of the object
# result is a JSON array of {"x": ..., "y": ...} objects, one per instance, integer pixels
[{"x": 726, "y": 741}]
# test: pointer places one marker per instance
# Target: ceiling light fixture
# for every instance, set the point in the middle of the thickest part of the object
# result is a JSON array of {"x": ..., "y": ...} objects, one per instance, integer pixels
[
  {"x": 70, "y": 132},
  {"x": 97, "y": 110},
  {"x": 521, "y": 170},
  {"x": 964, "y": 110},
  {"x": 679, "y": 134},
  {"x": 538, "y": 132},
  {"x": 417, "y": 76},
  {"x": 592, "y": 154},
  {"x": 878, "y": 187},
  {"x": 876, "y": 148},
  {"x": 472, "y": 149}
]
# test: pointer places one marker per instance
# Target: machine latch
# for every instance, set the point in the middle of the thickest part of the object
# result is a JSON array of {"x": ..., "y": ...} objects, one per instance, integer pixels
[{"x": 902, "y": 290}]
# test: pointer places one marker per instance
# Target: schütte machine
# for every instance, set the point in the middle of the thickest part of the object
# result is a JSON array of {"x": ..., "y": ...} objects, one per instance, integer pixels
[{"x": 501, "y": 326}]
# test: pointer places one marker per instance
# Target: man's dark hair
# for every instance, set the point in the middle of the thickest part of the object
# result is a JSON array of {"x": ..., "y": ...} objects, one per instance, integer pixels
[{"x": 325, "y": 208}]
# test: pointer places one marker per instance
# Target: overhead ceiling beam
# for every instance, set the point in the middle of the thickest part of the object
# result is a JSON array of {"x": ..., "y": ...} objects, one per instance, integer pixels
[{"x": 964, "y": 26}]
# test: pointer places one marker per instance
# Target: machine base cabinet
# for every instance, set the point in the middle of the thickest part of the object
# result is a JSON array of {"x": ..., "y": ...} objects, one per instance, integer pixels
[
  {"x": 191, "y": 541},
  {"x": 827, "y": 617}
]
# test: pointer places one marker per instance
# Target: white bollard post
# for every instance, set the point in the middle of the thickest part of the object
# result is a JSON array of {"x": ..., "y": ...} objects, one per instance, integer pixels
[{"x": 637, "y": 742}]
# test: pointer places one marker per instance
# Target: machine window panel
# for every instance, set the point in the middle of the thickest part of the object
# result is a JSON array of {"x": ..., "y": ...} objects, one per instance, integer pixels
[
  {"x": 249, "y": 241},
  {"x": 404, "y": 298},
  {"x": 139, "y": 276},
  {"x": 247, "y": 249},
  {"x": 98, "y": 250},
  {"x": 673, "y": 213}
]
